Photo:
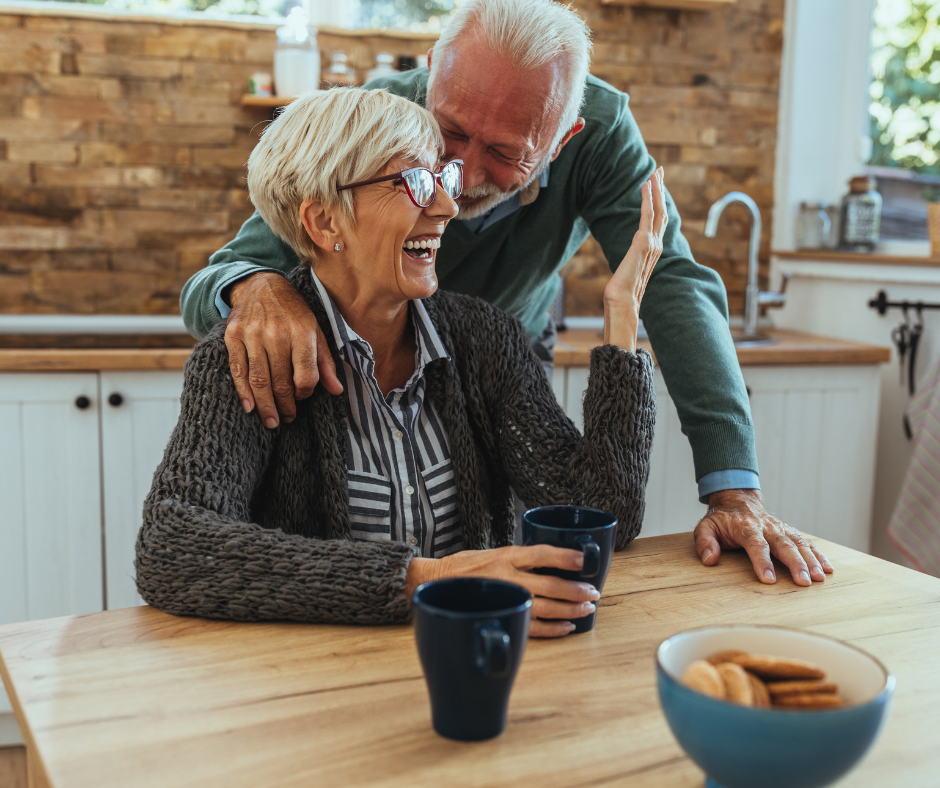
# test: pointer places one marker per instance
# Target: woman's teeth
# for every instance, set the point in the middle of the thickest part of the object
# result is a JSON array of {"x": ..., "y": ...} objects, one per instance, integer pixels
[{"x": 430, "y": 243}]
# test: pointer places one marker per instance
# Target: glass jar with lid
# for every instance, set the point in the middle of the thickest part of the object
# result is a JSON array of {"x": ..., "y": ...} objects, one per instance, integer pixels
[
  {"x": 861, "y": 216},
  {"x": 339, "y": 74},
  {"x": 813, "y": 226},
  {"x": 383, "y": 67},
  {"x": 296, "y": 59}
]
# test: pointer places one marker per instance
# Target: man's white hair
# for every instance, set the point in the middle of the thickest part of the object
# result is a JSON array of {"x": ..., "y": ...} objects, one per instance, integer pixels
[
  {"x": 328, "y": 138},
  {"x": 531, "y": 33}
]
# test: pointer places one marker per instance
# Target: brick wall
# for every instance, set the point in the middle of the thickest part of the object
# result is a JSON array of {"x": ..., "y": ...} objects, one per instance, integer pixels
[
  {"x": 703, "y": 87},
  {"x": 122, "y": 142},
  {"x": 122, "y": 152}
]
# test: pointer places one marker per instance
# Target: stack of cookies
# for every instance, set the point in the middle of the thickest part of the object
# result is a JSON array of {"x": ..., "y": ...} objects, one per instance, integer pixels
[{"x": 762, "y": 680}]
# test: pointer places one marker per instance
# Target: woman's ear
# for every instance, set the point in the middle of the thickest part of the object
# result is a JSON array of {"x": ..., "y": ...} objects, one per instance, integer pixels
[{"x": 320, "y": 224}]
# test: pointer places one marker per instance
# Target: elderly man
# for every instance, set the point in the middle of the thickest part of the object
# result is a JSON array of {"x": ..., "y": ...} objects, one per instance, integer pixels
[{"x": 550, "y": 155}]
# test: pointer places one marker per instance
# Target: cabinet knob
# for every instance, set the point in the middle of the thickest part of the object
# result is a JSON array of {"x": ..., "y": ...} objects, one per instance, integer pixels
[
  {"x": 115, "y": 400},
  {"x": 82, "y": 402}
]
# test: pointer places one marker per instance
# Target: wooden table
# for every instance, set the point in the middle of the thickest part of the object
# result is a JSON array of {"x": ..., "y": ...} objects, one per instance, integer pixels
[{"x": 138, "y": 698}]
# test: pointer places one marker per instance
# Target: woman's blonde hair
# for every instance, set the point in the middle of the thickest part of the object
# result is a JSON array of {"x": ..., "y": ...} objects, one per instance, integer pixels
[{"x": 329, "y": 138}]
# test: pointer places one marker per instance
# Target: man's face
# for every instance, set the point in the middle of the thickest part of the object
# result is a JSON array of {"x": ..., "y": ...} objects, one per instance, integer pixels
[{"x": 499, "y": 119}]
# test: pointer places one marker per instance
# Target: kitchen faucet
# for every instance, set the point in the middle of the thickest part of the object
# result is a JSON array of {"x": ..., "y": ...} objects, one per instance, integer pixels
[{"x": 753, "y": 297}]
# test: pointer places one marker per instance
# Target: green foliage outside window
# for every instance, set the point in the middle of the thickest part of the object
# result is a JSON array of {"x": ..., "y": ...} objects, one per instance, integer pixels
[{"x": 905, "y": 89}]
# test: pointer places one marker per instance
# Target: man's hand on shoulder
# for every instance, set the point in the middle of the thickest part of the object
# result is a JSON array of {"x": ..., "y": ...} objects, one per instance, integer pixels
[
  {"x": 737, "y": 518},
  {"x": 276, "y": 350}
]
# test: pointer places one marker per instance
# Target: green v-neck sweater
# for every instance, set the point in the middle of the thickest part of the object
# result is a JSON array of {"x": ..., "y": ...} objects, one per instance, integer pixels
[{"x": 593, "y": 188}]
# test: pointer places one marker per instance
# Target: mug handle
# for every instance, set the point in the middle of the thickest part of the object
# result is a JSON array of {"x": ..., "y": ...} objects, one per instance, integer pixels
[
  {"x": 493, "y": 656},
  {"x": 592, "y": 555}
]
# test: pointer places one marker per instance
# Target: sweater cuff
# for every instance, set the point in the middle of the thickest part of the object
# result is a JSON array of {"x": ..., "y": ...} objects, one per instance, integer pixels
[{"x": 727, "y": 445}]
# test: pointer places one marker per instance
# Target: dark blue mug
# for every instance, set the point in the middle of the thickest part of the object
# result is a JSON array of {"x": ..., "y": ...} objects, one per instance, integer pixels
[
  {"x": 591, "y": 531},
  {"x": 471, "y": 634}
]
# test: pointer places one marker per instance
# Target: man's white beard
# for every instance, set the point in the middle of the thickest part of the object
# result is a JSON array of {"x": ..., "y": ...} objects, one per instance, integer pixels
[{"x": 493, "y": 196}]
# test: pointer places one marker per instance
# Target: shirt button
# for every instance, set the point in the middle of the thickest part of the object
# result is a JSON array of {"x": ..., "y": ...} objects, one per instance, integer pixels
[
  {"x": 410, "y": 490},
  {"x": 398, "y": 434},
  {"x": 413, "y": 540},
  {"x": 397, "y": 395}
]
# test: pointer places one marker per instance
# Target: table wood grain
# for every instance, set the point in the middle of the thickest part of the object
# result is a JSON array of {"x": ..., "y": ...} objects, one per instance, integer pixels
[{"x": 138, "y": 697}]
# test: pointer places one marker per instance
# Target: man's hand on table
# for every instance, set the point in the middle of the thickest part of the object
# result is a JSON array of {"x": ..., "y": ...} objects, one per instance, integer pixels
[
  {"x": 277, "y": 352},
  {"x": 737, "y": 518}
]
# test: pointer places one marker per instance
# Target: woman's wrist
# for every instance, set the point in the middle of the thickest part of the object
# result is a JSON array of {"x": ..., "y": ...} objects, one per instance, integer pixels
[
  {"x": 620, "y": 324},
  {"x": 420, "y": 570}
]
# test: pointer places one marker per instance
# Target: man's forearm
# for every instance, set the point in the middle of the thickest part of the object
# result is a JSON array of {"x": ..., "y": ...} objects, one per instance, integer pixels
[{"x": 685, "y": 314}]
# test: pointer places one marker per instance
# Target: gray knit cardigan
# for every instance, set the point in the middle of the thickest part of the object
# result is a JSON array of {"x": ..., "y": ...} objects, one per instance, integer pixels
[{"x": 252, "y": 524}]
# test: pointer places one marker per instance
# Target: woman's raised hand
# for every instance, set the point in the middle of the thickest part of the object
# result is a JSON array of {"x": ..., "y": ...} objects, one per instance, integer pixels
[
  {"x": 552, "y": 596},
  {"x": 626, "y": 287}
]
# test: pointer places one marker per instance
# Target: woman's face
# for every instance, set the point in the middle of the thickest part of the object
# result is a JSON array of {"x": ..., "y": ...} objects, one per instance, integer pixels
[{"x": 387, "y": 219}]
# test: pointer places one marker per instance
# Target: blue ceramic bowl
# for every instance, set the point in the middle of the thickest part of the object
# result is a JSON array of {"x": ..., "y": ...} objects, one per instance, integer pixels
[{"x": 745, "y": 747}]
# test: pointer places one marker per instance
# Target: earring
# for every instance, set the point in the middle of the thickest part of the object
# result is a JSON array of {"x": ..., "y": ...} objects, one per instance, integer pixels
[{"x": 336, "y": 247}]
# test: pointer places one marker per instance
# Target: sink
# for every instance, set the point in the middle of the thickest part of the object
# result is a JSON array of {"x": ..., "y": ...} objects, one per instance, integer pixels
[{"x": 752, "y": 340}]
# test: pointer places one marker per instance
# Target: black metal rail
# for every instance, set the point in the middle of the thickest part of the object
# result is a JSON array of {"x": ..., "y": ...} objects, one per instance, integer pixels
[{"x": 882, "y": 304}]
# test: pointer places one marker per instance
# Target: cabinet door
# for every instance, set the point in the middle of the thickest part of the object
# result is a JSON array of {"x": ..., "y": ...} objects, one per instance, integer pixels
[
  {"x": 50, "y": 496},
  {"x": 138, "y": 413},
  {"x": 816, "y": 432}
]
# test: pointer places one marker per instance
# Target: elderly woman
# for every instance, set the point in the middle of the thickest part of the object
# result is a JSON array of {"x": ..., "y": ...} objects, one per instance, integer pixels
[{"x": 404, "y": 472}]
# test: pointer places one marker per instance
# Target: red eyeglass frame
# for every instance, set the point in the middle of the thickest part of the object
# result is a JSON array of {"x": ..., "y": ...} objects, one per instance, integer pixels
[{"x": 401, "y": 176}]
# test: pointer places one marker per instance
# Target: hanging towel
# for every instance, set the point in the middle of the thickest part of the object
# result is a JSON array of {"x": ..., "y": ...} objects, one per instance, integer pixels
[{"x": 915, "y": 524}]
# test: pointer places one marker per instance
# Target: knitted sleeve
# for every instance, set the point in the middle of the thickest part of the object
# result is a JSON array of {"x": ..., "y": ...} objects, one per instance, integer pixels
[
  {"x": 544, "y": 456},
  {"x": 199, "y": 554}
]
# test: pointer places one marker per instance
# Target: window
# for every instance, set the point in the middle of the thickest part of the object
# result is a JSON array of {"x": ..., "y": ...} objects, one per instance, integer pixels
[
  {"x": 395, "y": 14},
  {"x": 905, "y": 113}
]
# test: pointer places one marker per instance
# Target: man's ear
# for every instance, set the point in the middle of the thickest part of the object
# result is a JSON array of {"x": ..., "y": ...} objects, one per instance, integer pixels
[
  {"x": 578, "y": 126},
  {"x": 320, "y": 224},
  {"x": 430, "y": 55}
]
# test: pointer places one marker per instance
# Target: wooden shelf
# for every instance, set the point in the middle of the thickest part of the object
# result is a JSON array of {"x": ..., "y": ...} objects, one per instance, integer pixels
[
  {"x": 269, "y": 102},
  {"x": 683, "y": 5},
  {"x": 835, "y": 256}
]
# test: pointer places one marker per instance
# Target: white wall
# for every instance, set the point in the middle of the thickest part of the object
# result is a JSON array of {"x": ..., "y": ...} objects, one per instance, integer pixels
[
  {"x": 831, "y": 299},
  {"x": 823, "y": 126}
]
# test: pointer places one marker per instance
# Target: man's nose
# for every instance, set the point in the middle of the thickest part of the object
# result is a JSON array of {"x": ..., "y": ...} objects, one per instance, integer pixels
[{"x": 473, "y": 171}]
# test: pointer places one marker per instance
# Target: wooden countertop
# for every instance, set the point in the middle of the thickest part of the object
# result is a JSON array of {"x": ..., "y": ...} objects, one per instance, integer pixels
[
  {"x": 91, "y": 359},
  {"x": 835, "y": 256},
  {"x": 138, "y": 697},
  {"x": 573, "y": 349}
]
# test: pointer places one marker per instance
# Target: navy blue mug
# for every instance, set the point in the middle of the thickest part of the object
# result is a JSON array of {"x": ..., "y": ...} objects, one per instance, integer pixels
[
  {"x": 471, "y": 634},
  {"x": 591, "y": 531}
]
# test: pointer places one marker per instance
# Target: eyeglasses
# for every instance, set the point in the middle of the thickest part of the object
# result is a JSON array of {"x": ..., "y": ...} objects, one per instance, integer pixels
[{"x": 421, "y": 183}]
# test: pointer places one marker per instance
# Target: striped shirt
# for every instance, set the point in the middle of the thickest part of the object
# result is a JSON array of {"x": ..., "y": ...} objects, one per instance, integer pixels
[{"x": 401, "y": 481}]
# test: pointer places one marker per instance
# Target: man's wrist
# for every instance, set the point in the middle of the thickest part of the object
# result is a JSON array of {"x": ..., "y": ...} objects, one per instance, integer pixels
[{"x": 730, "y": 497}]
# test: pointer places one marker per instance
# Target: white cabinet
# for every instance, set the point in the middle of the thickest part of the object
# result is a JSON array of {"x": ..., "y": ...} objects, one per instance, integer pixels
[
  {"x": 138, "y": 412},
  {"x": 50, "y": 499},
  {"x": 77, "y": 455},
  {"x": 815, "y": 428}
]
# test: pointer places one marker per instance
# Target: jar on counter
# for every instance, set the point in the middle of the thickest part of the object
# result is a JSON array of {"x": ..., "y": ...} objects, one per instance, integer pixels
[
  {"x": 339, "y": 74},
  {"x": 383, "y": 67},
  {"x": 813, "y": 226},
  {"x": 296, "y": 59},
  {"x": 860, "y": 216}
]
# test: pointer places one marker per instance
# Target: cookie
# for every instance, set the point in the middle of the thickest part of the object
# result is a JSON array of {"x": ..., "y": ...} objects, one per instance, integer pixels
[
  {"x": 702, "y": 676},
  {"x": 737, "y": 685},
  {"x": 767, "y": 667},
  {"x": 780, "y": 688},
  {"x": 759, "y": 691},
  {"x": 725, "y": 656},
  {"x": 810, "y": 700}
]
